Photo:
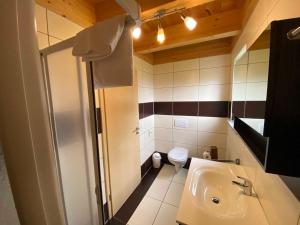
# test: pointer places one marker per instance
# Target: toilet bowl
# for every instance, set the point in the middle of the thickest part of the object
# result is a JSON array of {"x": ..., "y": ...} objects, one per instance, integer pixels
[{"x": 178, "y": 157}]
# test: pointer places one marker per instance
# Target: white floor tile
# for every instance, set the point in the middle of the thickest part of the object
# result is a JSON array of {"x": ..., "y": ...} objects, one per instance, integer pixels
[
  {"x": 146, "y": 212},
  {"x": 180, "y": 177},
  {"x": 173, "y": 195},
  {"x": 166, "y": 215},
  {"x": 158, "y": 189},
  {"x": 166, "y": 173}
]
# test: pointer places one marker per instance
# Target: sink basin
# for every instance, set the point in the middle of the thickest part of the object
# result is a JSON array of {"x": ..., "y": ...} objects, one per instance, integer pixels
[
  {"x": 210, "y": 198},
  {"x": 212, "y": 192}
]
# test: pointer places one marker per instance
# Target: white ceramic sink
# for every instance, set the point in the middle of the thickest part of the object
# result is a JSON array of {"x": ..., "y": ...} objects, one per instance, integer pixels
[{"x": 210, "y": 198}]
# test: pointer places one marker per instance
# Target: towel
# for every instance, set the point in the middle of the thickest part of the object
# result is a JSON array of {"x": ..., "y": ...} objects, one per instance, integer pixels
[
  {"x": 117, "y": 69},
  {"x": 100, "y": 40}
]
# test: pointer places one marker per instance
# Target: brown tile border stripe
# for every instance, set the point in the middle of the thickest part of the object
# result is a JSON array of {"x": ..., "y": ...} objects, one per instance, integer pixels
[
  {"x": 163, "y": 108},
  {"x": 146, "y": 166},
  {"x": 249, "y": 109},
  {"x": 185, "y": 108},
  {"x": 214, "y": 109},
  {"x": 128, "y": 208},
  {"x": 146, "y": 109}
]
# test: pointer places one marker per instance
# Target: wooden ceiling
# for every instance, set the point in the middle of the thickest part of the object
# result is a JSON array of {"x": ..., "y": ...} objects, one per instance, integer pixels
[{"x": 217, "y": 19}]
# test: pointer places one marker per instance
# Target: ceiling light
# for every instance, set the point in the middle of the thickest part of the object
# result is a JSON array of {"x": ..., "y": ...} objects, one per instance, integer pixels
[
  {"x": 136, "y": 32},
  {"x": 189, "y": 22},
  {"x": 160, "y": 35}
]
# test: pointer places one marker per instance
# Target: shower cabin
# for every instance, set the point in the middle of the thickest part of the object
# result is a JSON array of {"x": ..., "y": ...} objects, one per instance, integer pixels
[{"x": 95, "y": 137}]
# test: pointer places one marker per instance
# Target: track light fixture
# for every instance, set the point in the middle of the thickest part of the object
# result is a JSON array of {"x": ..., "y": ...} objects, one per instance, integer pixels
[{"x": 189, "y": 22}]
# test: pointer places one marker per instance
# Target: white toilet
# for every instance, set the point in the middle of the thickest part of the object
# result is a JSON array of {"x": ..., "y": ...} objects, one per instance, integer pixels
[{"x": 178, "y": 157}]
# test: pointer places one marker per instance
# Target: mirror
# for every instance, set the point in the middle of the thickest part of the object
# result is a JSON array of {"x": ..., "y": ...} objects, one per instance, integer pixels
[
  {"x": 265, "y": 97},
  {"x": 250, "y": 81}
]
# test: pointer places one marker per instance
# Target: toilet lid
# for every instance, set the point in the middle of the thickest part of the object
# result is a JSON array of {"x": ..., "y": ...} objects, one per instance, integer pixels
[{"x": 178, "y": 154}]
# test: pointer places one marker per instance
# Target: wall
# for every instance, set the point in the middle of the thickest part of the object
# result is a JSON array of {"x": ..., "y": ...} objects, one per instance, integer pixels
[
  {"x": 280, "y": 206},
  {"x": 197, "y": 91},
  {"x": 145, "y": 99},
  {"x": 53, "y": 28}
]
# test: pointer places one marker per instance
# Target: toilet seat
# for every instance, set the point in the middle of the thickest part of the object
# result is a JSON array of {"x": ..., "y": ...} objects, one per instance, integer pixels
[{"x": 178, "y": 154}]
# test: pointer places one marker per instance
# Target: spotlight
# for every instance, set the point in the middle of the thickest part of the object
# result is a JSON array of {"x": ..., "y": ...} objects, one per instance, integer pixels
[
  {"x": 136, "y": 32},
  {"x": 160, "y": 34},
  {"x": 189, "y": 22}
]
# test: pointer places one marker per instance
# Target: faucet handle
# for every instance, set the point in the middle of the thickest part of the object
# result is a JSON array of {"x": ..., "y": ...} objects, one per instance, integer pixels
[{"x": 246, "y": 180}]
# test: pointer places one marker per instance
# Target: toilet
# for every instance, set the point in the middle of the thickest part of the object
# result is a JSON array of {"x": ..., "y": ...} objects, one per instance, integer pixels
[{"x": 178, "y": 157}]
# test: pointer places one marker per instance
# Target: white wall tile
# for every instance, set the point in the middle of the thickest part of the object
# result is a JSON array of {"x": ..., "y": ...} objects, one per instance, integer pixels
[
  {"x": 148, "y": 94},
  {"x": 219, "y": 75},
  {"x": 163, "y": 134},
  {"x": 215, "y": 61},
  {"x": 41, "y": 20},
  {"x": 243, "y": 60},
  {"x": 185, "y": 136},
  {"x": 147, "y": 67},
  {"x": 212, "y": 124},
  {"x": 163, "y": 80},
  {"x": 163, "y": 146},
  {"x": 42, "y": 40},
  {"x": 257, "y": 72},
  {"x": 164, "y": 121},
  {"x": 163, "y": 95},
  {"x": 240, "y": 74},
  {"x": 256, "y": 91},
  {"x": 211, "y": 139},
  {"x": 139, "y": 74},
  {"x": 163, "y": 68},
  {"x": 214, "y": 92},
  {"x": 147, "y": 80},
  {"x": 191, "y": 122},
  {"x": 185, "y": 93},
  {"x": 137, "y": 63},
  {"x": 239, "y": 92},
  {"x": 191, "y": 64},
  {"x": 186, "y": 78},
  {"x": 61, "y": 27},
  {"x": 261, "y": 55}
]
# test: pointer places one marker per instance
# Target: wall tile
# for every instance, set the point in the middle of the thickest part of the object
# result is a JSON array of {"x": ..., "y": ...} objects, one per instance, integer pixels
[
  {"x": 214, "y": 109},
  {"x": 163, "y": 108},
  {"x": 164, "y": 121},
  {"x": 42, "y": 40},
  {"x": 210, "y": 139},
  {"x": 163, "y": 146},
  {"x": 185, "y": 136},
  {"x": 192, "y": 64},
  {"x": 219, "y": 75},
  {"x": 212, "y": 124},
  {"x": 147, "y": 80},
  {"x": 239, "y": 92},
  {"x": 163, "y": 80},
  {"x": 261, "y": 55},
  {"x": 147, "y": 67},
  {"x": 215, "y": 61},
  {"x": 163, "y": 68},
  {"x": 185, "y": 108},
  {"x": 163, "y": 134},
  {"x": 163, "y": 95},
  {"x": 185, "y": 93},
  {"x": 214, "y": 92},
  {"x": 243, "y": 60},
  {"x": 186, "y": 78},
  {"x": 61, "y": 27},
  {"x": 148, "y": 94},
  {"x": 41, "y": 19},
  {"x": 256, "y": 91},
  {"x": 257, "y": 72},
  {"x": 192, "y": 149},
  {"x": 240, "y": 74}
]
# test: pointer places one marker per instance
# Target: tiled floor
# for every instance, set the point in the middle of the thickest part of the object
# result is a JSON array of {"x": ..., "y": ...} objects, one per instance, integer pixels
[{"x": 159, "y": 206}]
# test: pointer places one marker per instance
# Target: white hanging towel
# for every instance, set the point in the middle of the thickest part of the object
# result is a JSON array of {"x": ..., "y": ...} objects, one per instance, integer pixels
[
  {"x": 108, "y": 45},
  {"x": 100, "y": 40}
]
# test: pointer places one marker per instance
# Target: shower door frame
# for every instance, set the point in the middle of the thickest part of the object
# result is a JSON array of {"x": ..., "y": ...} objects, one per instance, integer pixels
[{"x": 91, "y": 100}]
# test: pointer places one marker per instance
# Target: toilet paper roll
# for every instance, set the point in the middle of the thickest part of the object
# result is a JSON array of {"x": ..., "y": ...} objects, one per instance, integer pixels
[{"x": 206, "y": 155}]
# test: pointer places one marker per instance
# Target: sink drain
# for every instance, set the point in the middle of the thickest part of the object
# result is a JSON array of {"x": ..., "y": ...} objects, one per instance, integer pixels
[{"x": 215, "y": 200}]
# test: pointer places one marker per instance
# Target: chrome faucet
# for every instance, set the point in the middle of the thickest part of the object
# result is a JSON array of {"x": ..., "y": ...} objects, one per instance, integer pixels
[{"x": 246, "y": 185}]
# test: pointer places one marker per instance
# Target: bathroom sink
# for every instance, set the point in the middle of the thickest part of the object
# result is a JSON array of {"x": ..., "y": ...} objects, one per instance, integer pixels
[{"x": 210, "y": 198}]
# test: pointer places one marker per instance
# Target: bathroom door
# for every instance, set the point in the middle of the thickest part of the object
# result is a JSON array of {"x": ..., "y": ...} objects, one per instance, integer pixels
[{"x": 121, "y": 119}]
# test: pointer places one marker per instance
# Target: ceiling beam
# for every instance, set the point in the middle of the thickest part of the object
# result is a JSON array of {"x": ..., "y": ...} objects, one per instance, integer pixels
[
  {"x": 205, "y": 49},
  {"x": 81, "y": 12},
  {"x": 109, "y": 8},
  {"x": 221, "y": 25}
]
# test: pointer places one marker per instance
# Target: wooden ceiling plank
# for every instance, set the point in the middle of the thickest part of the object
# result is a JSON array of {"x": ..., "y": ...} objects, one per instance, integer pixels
[
  {"x": 211, "y": 48},
  {"x": 78, "y": 11}
]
